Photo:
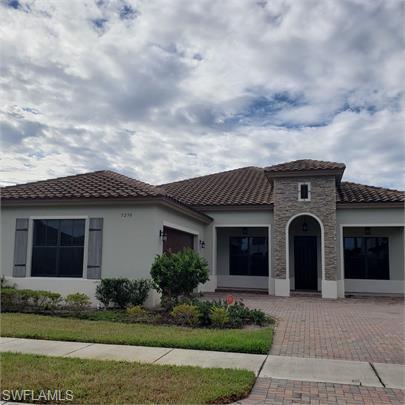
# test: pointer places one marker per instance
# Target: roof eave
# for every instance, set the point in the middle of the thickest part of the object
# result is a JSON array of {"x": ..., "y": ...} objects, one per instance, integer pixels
[
  {"x": 377, "y": 204},
  {"x": 304, "y": 173}
]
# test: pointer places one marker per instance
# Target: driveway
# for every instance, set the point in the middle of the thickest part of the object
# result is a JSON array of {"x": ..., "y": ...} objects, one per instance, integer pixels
[{"x": 365, "y": 329}]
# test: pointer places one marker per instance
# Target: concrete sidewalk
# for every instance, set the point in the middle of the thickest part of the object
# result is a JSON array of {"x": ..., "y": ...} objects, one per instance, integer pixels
[
  {"x": 277, "y": 367},
  {"x": 142, "y": 354}
]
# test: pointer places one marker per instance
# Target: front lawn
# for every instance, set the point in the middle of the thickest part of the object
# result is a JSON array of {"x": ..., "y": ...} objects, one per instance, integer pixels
[
  {"x": 78, "y": 330},
  {"x": 95, "y": 381}
]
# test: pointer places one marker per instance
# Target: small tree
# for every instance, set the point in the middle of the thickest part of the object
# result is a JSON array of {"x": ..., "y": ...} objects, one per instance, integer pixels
[{"x": 178, "y": 274}]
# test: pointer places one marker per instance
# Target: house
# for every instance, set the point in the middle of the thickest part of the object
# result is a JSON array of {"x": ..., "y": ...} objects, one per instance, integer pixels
[{"x": 288, "y": 227}]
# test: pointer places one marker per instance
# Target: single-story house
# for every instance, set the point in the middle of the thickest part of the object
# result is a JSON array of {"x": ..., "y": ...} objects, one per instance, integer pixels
[{"x": 294, "y": 226}]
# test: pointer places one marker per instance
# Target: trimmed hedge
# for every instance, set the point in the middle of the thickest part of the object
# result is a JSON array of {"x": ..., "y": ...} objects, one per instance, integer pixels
[
  {"x": 13, "y": 299},
  {"x": 122, "y": 292}
]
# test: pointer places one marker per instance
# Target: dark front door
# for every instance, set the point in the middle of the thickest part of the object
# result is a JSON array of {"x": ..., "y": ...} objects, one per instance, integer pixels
[
  {"x": 305, "y": 263},
  {"x": 177, "y": 240}
]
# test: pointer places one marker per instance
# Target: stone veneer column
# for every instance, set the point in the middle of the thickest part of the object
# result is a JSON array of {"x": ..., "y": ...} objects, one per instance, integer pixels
[{"x": 323, "y": 206}]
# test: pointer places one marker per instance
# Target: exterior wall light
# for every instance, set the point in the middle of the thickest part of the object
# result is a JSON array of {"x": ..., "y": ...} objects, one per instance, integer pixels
[
  {"x": 202, "y": 244},
  {"x": 163, "y": 236},
  {"x": 304, "y": 227}
]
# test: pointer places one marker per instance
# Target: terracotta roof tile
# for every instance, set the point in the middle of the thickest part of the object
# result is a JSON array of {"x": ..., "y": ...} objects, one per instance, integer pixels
[
  {"x": 304, "y": 165},
  {"x": 100, "y": 184},
  {"x": 240, "y": 187},
  {"x": 245, "y": 186},
  {"x": 347, "y": 192}
]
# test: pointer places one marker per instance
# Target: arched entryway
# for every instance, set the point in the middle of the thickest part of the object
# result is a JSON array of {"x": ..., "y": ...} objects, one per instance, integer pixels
[{"x": 304, "y": 236}]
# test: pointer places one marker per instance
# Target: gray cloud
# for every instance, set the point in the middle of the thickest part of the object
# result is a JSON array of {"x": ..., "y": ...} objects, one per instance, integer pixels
[{"x": 162, "y": 91}]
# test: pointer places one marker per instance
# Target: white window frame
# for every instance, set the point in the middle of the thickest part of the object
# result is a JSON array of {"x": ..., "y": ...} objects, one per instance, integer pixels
[
  {"x": 30, "y": 243},
  {"x": 309, "y": 191}
]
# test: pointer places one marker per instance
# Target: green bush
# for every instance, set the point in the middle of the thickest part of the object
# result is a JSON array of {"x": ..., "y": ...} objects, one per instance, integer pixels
[
  {"x": 77, "y": 302},
  {"x": 258, "y": 317},
  {"x": 239, "y": 314},
  {"x": 219, "y": 317},
  {"x": 185, "y": 314},
  {"x": 136, "y": 311},
  {"x": 138, "y": 291},
  {"x": 13, "y": 299},
  {"x": 121, "y": 292},
  {"x": 178, "y": 274}
]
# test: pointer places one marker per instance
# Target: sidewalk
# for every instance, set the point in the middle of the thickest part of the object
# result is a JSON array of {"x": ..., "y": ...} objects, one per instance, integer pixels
[{"x": 274, "y": 367}]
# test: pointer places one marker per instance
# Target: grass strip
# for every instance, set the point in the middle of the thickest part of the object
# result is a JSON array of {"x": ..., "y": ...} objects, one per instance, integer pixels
[
  {"x": 77, "y": 330},
  {"x": 113, "y": 382}
]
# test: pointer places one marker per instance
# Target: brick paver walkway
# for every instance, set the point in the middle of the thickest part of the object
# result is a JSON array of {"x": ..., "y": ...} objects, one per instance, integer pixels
[
  {"x": 365, "y": 329},
  {"x": 272, "y": 391}
]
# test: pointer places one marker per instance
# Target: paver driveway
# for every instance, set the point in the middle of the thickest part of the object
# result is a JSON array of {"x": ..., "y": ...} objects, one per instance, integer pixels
[{"x": 366, "y": 329}]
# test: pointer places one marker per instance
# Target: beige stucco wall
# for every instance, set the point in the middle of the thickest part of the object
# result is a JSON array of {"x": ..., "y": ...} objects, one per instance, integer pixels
[{"x": 130, "y": 242}]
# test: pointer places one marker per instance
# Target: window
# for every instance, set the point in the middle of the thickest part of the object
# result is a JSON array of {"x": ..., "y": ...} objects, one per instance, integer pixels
[
  {"x": 304, "y": 191},
  {"x": 57, "y": 249},
  {"x": 248, "y": 256},
  {"x": 366, "y": 258}
]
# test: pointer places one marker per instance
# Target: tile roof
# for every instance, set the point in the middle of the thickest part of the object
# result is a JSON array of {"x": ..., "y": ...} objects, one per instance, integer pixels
[
  {"x": 305, "y": 165},
  {"x": 245, "y": 186},
  {"x": 347, "y": 192},
  {"x": 100, "y": 184}
]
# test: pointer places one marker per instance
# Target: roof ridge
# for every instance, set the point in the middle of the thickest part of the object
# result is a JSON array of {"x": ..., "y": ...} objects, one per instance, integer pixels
[
  {"x": 130, "y": 181},
  {"x": 211, "y": 174},
  {"x": 375, "y": 187}
]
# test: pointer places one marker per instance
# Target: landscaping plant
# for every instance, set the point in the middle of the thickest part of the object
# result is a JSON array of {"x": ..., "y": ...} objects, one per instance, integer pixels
[
  {"x": 178, "y": 274},
  {"x": 13, "y": 299},
  {"x": 122, "y": 292},
  {"x": 186, "y": 315},
  {"x": 219, "y": 317},
  {"x": 77, "y": 302}
]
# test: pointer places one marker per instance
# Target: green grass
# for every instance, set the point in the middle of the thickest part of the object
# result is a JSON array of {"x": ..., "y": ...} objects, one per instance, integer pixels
[
  {"x": 78, "y": 330},
  {"x": 113, "y": 382}
]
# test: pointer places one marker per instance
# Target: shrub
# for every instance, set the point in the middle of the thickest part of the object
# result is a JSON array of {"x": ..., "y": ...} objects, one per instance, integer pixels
[
  {"x": 185, "y": 314},
  {"x": 136, "y": 310},
  {"x": 219, "y": 316},
  {"x": 137, "y": 313},
  {"x": 258, "y": 317},
  {"x": 14, "y": 299},
  {"x": 139, "y": 290},
  {"x": 178, "y": 274},
  {"x": 105, "y": 291},
  {"x": 77, "y": 302},
  {"x": 8, "y": 298},
  {"x": 122, "y": 292}
]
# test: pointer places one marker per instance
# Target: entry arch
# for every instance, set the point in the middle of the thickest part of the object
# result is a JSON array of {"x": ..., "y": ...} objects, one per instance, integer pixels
[{"x": 287, "y": 242}]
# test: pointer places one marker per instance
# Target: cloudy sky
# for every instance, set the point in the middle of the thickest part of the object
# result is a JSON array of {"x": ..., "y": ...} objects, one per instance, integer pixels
[{"x": 164, "y": 90}]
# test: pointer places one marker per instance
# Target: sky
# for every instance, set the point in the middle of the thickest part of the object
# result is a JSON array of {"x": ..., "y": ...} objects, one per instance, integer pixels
[{"x": 166, "y": 90}]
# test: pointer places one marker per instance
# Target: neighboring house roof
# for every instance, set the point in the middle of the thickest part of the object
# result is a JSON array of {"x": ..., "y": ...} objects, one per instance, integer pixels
[{"x": 245, "y": 186}]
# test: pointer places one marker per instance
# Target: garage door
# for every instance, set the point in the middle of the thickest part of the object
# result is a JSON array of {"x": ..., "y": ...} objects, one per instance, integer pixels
[{"x": 177, "y": 240}]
